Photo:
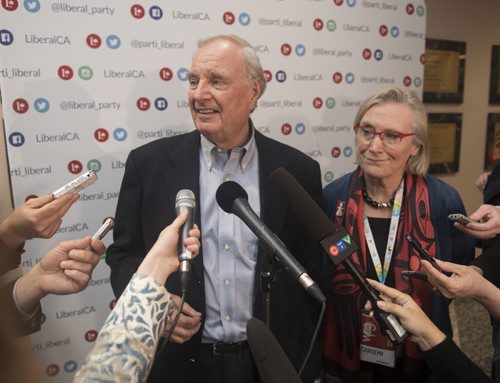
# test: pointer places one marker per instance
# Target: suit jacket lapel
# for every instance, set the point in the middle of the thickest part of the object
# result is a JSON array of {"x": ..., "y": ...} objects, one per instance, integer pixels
[
  {"x": 273, "y": 205},
  {"x": 272, "y": 211},
  {"x": 183, "y": 173}
]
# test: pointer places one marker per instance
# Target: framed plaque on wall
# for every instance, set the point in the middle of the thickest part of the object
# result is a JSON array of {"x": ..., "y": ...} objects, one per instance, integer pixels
[
  {"x": 492, "y": 153},
  {"x": 444, "y": 71},
  {"x": 495, "y": 75},
  {"x": 445, "y": 131}
]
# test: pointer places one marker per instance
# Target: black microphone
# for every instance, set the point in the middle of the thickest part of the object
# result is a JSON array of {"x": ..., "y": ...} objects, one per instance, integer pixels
[
  {"x": 232, "y": 198},
  {"x": 272, "y": 363},
  {"x": 339, "y": 245},
  {"x": 185, "y": 200}
]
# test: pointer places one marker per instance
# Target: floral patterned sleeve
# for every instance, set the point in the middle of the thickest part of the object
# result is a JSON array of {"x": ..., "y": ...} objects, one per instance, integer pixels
[{"x": 127, "y": 342}]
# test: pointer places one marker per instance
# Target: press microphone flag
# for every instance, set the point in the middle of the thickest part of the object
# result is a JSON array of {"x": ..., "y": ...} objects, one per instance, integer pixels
[
  {"x": 232, "y": 198},
  {"x": 339, "y": 245}
]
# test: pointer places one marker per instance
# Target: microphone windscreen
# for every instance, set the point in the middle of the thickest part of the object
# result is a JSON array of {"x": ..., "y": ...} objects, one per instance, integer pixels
[
  {"x": 227, "y": 193},
  {"x": 272, "y": 362},
  {"x": 185, "y": 198},
  {"x": 303, "y": 205}
]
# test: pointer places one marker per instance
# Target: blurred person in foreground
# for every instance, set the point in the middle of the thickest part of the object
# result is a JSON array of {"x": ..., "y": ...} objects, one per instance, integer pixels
[
  {"x": 386, "y": 197},
  {"x": 209, "y": 343}
]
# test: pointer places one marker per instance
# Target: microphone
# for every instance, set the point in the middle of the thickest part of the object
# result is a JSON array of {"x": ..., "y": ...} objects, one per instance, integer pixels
[
  {"x": 185, "y": 200},
  {"x": 272, "y": 363},
  {"x": 339, "y": 245},
  {"x": 232, "y": 198}
]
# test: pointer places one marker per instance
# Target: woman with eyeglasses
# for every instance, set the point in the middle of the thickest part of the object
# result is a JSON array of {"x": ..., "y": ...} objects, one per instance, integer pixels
[{"x": 385, "y": 198}]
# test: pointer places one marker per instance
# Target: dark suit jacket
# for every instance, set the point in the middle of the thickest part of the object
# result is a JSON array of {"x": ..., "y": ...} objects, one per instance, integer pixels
[{"x": 154, "y": 173}]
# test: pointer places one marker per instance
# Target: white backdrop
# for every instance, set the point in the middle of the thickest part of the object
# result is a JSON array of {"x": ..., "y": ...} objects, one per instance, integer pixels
[{"x": 84, "y": 82}]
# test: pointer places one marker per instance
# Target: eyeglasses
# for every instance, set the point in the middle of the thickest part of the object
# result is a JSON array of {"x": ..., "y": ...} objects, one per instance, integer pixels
[{"x": 389, "y": 137}]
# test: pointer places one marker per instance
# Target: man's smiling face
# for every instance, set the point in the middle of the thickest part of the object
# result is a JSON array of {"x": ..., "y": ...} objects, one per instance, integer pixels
[{"x": 221, "y": 94}]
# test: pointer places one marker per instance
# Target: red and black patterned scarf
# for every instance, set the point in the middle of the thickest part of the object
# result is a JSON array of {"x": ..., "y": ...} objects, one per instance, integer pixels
[{"x": 341, "y": 336}]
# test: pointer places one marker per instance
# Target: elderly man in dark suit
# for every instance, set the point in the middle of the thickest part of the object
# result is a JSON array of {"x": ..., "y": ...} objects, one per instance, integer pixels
[{"x": 209, "y": 343}]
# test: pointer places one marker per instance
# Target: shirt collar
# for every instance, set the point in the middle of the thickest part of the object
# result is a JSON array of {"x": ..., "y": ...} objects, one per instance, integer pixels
[{"x": 247, "y": 150}]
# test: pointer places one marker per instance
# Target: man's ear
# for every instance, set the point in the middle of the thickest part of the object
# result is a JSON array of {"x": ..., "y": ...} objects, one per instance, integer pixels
[{"x": 255, "y": 92}]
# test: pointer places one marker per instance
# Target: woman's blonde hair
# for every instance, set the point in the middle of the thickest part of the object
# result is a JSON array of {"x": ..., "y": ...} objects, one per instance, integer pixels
[{"x": 419, "y": 163}]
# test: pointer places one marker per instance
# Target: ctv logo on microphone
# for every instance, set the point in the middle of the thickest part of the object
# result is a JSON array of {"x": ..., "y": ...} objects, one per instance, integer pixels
[
  {"x": 334, "y": 250},
  {"x": 340, "y": 246}
]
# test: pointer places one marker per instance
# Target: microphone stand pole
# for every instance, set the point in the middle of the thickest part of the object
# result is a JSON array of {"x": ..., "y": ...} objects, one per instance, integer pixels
[{"x": 266, "y": 282}]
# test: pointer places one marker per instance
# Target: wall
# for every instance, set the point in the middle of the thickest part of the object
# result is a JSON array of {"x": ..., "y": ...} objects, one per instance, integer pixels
[{"x": 476, "y": 23}]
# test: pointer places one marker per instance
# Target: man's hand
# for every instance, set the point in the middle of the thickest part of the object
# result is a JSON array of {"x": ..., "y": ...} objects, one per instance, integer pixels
[
  {"x": 65, "y": 269},
  {"x": 486, "y": 223},
  {"x": 189, "y": 322},
  {"x": 161, "y": 261},
  {"x": 464, "y": 281}
]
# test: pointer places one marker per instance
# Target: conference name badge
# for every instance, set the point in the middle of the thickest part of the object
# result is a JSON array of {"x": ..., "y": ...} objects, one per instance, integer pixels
[{"x": 375, "y": 346}]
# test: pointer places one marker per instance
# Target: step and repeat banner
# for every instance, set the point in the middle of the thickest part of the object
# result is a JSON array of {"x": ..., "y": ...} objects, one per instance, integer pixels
[{"x": 84, "y": 82}]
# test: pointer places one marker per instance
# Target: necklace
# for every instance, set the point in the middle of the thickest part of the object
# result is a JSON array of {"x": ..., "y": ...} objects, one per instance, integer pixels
[{"x": 375, "y": 204}]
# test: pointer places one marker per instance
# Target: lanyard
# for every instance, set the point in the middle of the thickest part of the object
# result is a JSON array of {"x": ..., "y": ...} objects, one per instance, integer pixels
[{"x": 380, "y": 269}]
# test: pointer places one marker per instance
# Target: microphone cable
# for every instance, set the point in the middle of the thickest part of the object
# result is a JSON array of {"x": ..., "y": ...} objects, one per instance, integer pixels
[
  {"x": 313, "y": 339},
  {"x": 167, "y": 336},
  {"x": 184, "y": 200}
]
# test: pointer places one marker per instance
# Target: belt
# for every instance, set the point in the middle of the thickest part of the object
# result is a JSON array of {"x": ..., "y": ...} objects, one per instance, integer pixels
[{"x": 228, "y": 348}]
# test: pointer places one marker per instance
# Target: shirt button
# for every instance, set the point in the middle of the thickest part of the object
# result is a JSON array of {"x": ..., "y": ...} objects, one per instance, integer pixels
[
  {"x": 227, "y": 283},
  {"x": 227, "y": 318},
  {"x": 226, "y": 247}
]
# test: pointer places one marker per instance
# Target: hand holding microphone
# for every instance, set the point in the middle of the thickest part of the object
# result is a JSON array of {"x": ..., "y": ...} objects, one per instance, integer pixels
[
  {"x": 185, "y": 201},
  {"x": 182, "y": 235},
  {"x": 162, "y": 260}
]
